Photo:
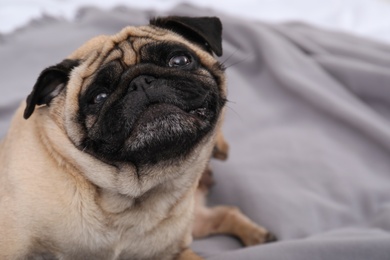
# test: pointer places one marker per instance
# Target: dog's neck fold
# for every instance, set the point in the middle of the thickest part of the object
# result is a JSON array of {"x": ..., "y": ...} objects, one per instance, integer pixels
[{"x": 121, "y": 187}]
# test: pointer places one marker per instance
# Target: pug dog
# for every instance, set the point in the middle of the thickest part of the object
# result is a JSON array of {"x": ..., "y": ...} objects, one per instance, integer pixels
[{"x": 111, "y": 158}]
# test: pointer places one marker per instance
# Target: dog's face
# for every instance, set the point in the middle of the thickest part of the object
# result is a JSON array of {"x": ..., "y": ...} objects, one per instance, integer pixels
[{"x": 145, "y": 96}]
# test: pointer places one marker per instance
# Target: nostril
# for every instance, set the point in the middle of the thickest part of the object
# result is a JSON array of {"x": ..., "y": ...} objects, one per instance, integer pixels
[
  {"x": 141, "y": 82},
  {"x": 149, "y": 79}
]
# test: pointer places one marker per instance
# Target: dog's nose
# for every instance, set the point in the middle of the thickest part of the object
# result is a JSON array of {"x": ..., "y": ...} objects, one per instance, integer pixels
[{"x": 142, "y": 82}]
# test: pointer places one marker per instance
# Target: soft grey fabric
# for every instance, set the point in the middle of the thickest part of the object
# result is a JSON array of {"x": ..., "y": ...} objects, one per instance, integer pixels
[{"x": 307, "y": 121}]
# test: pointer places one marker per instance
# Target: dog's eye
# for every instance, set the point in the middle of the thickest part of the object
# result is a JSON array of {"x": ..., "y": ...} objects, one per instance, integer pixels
[
  {"x": 100, "y": 98},
  {"x": 179, "y": 61}
]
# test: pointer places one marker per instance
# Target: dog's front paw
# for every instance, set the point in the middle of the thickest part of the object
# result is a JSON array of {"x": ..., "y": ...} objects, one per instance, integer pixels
[
  {"x": 229, "y": 220},
  {"x": 270, "y": 237},
  {"x": 252, "y": 234}
]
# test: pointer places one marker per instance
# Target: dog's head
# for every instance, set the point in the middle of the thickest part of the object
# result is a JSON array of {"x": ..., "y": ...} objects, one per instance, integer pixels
[{"x": 149, "y": 95}]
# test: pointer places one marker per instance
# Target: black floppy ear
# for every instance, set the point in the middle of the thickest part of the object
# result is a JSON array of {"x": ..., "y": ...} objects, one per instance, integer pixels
[
  {"x": 50, "y": 83},
  {"x": 205, "y": 31}
]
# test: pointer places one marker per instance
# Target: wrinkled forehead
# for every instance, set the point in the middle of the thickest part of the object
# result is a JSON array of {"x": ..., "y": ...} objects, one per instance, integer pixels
[{"x": 126, "y": 45}]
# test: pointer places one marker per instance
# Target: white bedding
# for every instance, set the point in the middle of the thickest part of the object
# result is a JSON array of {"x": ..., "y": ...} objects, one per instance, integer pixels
[{"x": 369, "y": 18}]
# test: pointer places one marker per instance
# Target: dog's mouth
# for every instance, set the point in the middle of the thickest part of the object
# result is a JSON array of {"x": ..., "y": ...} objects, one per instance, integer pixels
[
  {"x": 159, "y": 111},
  {"x": 164, "y": 130},
  {"x": 201, "y": 112}
]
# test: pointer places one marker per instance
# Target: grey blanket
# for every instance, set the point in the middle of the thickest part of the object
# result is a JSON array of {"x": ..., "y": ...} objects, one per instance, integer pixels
[{"x": 308, "y": 123}]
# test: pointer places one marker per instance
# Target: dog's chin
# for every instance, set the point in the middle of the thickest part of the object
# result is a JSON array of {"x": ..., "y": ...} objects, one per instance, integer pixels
[{"x": 165, "y": 131}]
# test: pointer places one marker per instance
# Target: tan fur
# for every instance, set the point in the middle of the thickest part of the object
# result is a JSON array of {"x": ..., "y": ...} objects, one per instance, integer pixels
[
  {"x": 90, "y": 218},
  {"x": 106, "y": 212},
  {"x": 188, "y": 254},
  {"x": 221, "y": 147}
]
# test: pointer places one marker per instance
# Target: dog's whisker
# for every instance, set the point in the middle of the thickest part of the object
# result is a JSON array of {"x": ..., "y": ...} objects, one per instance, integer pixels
[
  {"x": 235, "y": 112},
  {"x": 230, "y": 56},
  {"x": 236, "y": 63}
]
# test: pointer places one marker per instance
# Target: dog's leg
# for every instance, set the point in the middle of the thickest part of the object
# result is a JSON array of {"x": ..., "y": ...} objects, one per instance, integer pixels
[
  {"x": 188, "y": 254},
  {"x": 224, "y": 219},
  {"x": 221, "y": 148}
]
